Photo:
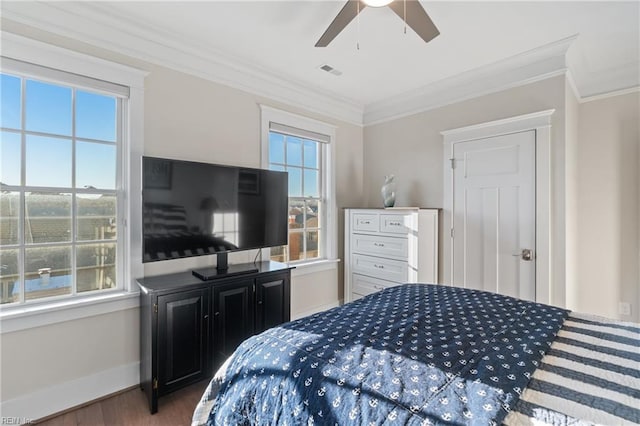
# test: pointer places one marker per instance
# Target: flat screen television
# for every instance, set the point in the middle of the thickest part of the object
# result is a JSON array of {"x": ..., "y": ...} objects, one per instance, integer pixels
[{"x": 195, "y": 209}]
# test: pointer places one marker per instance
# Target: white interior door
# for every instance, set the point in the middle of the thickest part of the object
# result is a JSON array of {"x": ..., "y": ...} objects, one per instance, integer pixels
[{"x": 494, "y": 214}]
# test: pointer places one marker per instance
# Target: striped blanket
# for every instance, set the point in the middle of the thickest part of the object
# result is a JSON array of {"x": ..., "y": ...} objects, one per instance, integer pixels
[{"x": 591, "y": 375}]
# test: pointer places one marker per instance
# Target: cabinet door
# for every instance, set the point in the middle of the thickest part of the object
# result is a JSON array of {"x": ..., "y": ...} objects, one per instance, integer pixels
[
  {"x": 272, "y": 301},
  {"x": 183, "y": 320},
  {"x": 233, "y": 316}
]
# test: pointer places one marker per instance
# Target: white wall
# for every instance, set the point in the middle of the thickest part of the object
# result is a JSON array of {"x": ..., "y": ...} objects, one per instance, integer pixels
[
  {"x": 412, "y": 149},
  {"x": 608, "y": 219},
  {"x": 187, "y": 118}
]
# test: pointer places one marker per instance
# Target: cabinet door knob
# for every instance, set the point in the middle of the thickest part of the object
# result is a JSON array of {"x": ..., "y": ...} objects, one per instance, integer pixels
[
  {"x": 217, "y": 313},
  {"x": 206, "y": 316},
  {"x": 259, "y": 302}
]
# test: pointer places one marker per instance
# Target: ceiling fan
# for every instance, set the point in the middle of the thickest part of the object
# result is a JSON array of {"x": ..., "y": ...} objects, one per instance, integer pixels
[{"x": 411, "y": 11}]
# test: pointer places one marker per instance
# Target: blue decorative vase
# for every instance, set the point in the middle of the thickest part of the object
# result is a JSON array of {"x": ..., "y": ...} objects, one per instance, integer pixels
[{"x": 389, "y": 191}]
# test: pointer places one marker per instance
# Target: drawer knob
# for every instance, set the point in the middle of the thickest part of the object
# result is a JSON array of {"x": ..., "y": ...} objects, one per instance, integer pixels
[
  {"x": 378, "y": 244},
  {"x": 365, "y": 222},
  {"x": 395, "y": 223},
  {"x": 378, "y": 266}
]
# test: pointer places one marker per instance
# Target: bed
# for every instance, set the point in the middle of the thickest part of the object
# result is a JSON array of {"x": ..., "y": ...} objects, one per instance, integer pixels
[{"x": 427, "y": 354}]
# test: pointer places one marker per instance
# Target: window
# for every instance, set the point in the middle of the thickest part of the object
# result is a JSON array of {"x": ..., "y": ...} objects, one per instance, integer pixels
[
  {"x": 302, "y": 147},
  {"x": 61, "y": 198}
]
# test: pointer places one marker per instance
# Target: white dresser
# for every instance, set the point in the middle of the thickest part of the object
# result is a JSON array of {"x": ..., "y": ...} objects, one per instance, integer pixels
[{"x": 386, "y": 247}]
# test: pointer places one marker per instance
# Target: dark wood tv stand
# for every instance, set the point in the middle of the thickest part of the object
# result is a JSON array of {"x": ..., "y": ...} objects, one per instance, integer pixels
[{"x": 188, "y": 326}]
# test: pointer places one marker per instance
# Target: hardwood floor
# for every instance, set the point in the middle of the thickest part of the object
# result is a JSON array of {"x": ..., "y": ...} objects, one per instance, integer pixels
[{"x": 131, "y": 408}]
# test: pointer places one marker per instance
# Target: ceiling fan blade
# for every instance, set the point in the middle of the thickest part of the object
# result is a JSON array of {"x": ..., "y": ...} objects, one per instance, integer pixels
[
  {"x": 342, "y": 19},
  {"x": 417, "y": 18}
]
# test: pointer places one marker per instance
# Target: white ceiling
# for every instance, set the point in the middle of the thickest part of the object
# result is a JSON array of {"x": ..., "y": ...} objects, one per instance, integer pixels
[{"x": 276, "y": 40}]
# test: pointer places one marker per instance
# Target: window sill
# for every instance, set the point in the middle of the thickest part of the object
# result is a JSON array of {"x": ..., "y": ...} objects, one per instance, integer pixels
[
  {"x": 304, "y": 268},
  {"x": 26, "y": 317}
]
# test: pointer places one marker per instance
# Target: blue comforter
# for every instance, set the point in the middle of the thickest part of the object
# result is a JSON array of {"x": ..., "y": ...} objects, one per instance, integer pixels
[{"x": 412, "y": 354}]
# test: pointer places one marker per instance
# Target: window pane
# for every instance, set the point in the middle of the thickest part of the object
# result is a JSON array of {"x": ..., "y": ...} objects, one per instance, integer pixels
[
  {"x": 9, "y": 217},
  {"x": 277, "y": 168},
  {"x": 296, "y": 214},
  {"x": 311, "y": 183},
  {"x": 95, "y": 116},
  {"x": 96, "y": 217},
  {"x": 47, "y": 272},
  {"x": 279, "y": 254},
  {"x": 47, "y": 218},
  {"x": 96, "y": 266},
  {"x": 296, "y": 245},
  {"x": 10, "y": 95},
  {"x": 48, "y": 162},
  {"x": 294, "y": 151},
  {"x": 11, "y": 158},
  {"x": 313, "y": 244},
  {"x": 276, "y": 148},
  {"x": 48, "y": 108},
  {"x": 311, "y": 154},
  {"x": 95, "y": 165},
  {"x": 313, "y": 214},
  {"x": 295, "y": 181},
  {"x": 9, "y": 276}
]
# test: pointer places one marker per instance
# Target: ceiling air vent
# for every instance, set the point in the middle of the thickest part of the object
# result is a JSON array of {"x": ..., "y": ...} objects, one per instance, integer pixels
[{"x": 330, "y": 69}]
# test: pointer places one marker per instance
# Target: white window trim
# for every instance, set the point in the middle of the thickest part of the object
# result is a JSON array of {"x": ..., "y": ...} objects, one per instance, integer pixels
[
  {"x": 268, "y": 115},
  {"x": 15, "y": 318}
]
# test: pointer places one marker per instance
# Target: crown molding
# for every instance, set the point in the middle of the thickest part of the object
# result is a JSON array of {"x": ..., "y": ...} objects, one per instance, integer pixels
[
  {"x": 525, "y": 68},
  {"x": 622, "y": 92},
  {"x": 571, "y": 82},
  {"x": 104, "y": 29}
]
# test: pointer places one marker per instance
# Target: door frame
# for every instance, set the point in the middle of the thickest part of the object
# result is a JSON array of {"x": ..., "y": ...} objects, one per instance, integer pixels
[{"x": 540, "y": 122}]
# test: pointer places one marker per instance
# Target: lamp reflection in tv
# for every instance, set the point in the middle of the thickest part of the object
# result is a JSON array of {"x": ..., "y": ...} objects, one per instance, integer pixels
[{"x": 208, "y": 206}]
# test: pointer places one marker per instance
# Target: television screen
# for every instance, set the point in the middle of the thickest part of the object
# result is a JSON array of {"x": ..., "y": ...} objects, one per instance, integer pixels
[{"x": 195, "y": 209}]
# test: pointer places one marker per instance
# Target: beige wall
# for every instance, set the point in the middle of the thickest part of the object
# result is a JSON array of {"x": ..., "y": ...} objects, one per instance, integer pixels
[
  {"x": 47, "y": 356},
  {"x": 571, "y": 179},
  {"x": 412, "y": 149},
  {"x": 188, "y": 118},
  {"x": 595, "y": 183},
  {"x": 608, "y": 257}
]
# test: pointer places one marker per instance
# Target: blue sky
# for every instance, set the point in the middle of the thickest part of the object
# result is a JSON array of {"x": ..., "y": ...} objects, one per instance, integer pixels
[
  {"x": 302, "y": 162},
  {"x": 49, "y": 109}
]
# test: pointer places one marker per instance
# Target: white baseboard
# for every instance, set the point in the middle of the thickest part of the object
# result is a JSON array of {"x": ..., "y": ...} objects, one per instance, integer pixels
[
  {"x": 60, "y": 397},
  {"x": 315, "y": 309}
]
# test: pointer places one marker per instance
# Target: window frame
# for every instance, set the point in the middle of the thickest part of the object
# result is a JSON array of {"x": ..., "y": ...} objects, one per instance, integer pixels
[
  {"x": 328, "y": 223},
  {"x": 15, "y": 317},
  {"x": 74, "y": 243}
]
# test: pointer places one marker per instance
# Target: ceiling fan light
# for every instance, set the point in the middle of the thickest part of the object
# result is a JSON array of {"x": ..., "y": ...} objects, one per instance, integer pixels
[{"x": 377, "y": 3}]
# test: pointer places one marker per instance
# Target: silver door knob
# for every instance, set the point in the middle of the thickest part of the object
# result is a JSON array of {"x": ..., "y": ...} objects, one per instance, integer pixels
[{"x": 526, "y": 255}]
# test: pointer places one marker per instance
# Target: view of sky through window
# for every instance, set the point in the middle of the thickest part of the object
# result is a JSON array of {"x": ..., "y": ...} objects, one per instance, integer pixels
[
  {"x": 300, "y": 158},
  {"x": 58, "y": 205},
  {"x": 48, "y": 121}
]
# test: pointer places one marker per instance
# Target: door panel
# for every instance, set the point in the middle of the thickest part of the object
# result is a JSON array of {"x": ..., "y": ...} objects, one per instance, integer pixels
[
  {"x": 272, "y": 302},
  {"x": 233, "y": 312},
  {"x": 494, "y": 214},
  {"x": 182, "y": 338}
]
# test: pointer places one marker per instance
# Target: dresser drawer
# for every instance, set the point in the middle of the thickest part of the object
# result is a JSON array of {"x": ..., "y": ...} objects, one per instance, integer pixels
[
  {"x": 363, "y": 285},
  {"x": 395, "y": 223},
  {"x": 388, "y": 269},
  {"x": 378, "y": 245},
  {"x": 365, "y": 222}
]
